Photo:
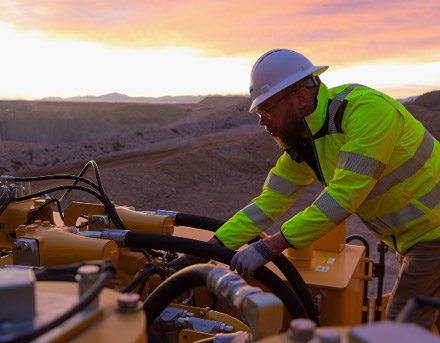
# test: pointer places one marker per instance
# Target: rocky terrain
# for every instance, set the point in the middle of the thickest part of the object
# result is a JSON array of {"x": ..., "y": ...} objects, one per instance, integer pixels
[{"x": 209, "y": 158}]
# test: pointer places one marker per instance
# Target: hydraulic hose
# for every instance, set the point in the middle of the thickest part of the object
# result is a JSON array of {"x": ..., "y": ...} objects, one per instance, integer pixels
[
  {"x": 200, "y": 222},
  {"x": 171, "y": 288},
  {"x": 206, "y": 250},
  {"x": 8, "y": 200},
  {"x": 282, "y": 262}
]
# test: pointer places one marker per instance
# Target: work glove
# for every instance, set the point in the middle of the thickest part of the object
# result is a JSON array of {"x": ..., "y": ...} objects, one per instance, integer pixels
[{"x": 254, "y": 256}]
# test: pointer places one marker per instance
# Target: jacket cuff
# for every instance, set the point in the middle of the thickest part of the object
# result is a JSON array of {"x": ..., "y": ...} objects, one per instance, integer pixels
[
  {"x": 282, "y": 234},
  {"x": 264, "y": 251},
  {"x": 218, "y": 240}
]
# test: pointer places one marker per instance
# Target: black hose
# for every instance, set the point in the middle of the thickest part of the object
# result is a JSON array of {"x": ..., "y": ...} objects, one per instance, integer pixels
[
  {"x": 59, "y": 188},
  {"x": 223, "y": 255},
  {"x": 39, "y": 209},
  {"x": 81, "y": 173},
  {"x": 144, "y": 274},
  {"x": 282, "y": 262},
  {"x": 58, "y": 177},
  {"x": 86, "y": 299},
  {"x": 348, "y": 239},
  {"x": 8, "y": 200},
  {"x": 200, "y": 222},
  {"x": 108, "y": 205},
  {"x": 58, "y": 273},
  {"x": 182, "y": 281},
  {"x": 4, "y": 195},
  {"x": 103, "y": 198}
]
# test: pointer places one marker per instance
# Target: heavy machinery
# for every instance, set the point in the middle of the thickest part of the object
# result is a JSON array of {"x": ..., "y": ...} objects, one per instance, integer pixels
[{"x": 97, "y": 272}]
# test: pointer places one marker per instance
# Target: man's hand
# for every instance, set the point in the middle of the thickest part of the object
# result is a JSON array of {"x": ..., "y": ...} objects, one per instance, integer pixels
[{"x": 254, "y": 256}]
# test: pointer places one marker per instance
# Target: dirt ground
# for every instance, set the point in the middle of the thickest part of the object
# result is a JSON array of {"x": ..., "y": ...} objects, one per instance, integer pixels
[{"x": 212, "y": 175}]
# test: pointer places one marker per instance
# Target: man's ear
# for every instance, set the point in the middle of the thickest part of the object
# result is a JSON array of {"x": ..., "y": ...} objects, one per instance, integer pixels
[{"x": 302, "y": 97}]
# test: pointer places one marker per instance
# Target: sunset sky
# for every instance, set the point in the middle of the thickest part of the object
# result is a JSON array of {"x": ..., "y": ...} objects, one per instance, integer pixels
[{"x": 195, "y": 47}]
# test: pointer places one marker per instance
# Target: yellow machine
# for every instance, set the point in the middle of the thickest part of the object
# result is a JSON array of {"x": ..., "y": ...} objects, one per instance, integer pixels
[{"x": 97, "y": 272}]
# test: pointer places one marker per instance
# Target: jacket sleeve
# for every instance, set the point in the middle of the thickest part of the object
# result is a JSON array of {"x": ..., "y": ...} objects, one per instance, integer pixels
[
  {"x": 372, "y": 127},
  {"x": 284, "y": 184}
]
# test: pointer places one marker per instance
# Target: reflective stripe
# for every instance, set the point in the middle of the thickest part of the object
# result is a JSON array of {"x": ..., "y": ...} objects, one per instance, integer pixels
[
  {"x": 360, "y": 164},
  {"x": 258, "y": 217},
  {"x": 334, "y": 105},
  {"x": 407, "y": 169},
  {"x": 331, "y": 208},
  {"x": 283, "y": 186},
  {"x": 399, "y": 218},
  {"x": 432, "y": 199}
]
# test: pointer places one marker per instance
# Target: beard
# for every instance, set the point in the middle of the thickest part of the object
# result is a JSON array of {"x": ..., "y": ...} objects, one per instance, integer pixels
[{"x": 291, "y": 133}]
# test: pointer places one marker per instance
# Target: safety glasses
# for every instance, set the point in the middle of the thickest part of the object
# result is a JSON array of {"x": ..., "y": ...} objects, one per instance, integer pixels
[{"x": 264, "y": 113}]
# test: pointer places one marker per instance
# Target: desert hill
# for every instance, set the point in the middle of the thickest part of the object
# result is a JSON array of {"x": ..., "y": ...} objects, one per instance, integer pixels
[{"x": 118, "y": 97}]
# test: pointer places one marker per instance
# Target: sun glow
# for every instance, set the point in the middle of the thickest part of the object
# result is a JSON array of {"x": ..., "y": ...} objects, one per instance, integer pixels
[
  {"x": 34, "y": 67},
  {"x": 397, "y": 79}
]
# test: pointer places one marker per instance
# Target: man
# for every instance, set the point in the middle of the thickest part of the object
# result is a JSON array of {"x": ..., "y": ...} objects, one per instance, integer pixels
[{"x": 372, "y": 158}]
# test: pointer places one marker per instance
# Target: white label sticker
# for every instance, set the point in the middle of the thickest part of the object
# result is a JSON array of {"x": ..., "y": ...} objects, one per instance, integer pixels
[
  {"x": 322, "y": 269},
  {"x": 330, "y": 260}
]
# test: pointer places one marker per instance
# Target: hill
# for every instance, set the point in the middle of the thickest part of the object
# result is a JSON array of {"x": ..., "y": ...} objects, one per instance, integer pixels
[
  {"x": 117, "y": 97},
  {"x": 426, "y": 108}
]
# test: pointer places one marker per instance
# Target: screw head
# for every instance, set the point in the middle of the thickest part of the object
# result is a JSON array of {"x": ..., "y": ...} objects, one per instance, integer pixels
[
  {"x": 128, "y": 302},
  {"x": 228, "y": 328},
  {"x": 301, "y": 329},
  {"x": 88, "y": 270}
]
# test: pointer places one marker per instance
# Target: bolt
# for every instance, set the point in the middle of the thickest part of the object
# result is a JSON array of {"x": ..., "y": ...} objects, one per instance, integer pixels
[
  {"x": 86, "y": 277},
  {"x": 128, "y": 302},
  {"x": 182, "y": 321},
  {"x": 328, "y": 335},
  {"x": 16, "y": 245},
  {"x": 26, "y": 246},
  {"x": 228, "y": 328},
  {"x": 301, "y": 329}
]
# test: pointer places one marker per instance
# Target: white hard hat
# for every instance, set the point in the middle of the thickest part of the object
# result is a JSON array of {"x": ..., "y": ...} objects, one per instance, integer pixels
[{"x": 276, "y": 70}]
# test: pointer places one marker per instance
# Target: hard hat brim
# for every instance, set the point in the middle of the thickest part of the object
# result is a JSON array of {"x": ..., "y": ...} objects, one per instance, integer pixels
[{"x": 315, "y": 71}]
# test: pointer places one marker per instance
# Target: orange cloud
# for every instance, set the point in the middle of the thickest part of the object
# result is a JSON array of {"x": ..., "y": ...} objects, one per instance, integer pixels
[{"x": 337, "y": 33}]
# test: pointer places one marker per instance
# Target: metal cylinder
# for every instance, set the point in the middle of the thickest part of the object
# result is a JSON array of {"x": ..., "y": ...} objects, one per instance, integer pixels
[{"x": 86, "y": 277}]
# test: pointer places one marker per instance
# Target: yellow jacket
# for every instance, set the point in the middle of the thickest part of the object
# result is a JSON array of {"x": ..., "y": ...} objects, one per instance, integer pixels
[{"x": 373, "y": 159}]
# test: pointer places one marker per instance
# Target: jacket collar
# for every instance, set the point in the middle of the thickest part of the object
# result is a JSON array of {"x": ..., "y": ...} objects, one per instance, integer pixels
[{"x": 316, "y": 119}]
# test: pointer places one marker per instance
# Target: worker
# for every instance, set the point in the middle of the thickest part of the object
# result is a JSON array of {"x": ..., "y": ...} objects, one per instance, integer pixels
[{"x": 372, "y": 157}]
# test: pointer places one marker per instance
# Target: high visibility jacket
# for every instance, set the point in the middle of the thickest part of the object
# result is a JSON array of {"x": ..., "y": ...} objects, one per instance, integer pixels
[{"x": 373, "y": 159}]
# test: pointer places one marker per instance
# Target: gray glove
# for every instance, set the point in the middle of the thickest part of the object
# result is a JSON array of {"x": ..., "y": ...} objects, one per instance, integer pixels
[
  {"x": 254, "y": 256},
  {"x": 185, "y": 261}
]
